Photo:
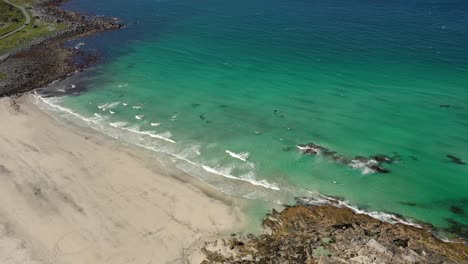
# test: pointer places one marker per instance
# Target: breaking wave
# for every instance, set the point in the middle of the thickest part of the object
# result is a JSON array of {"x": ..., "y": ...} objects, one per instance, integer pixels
[{"x": 98, "y": 122}]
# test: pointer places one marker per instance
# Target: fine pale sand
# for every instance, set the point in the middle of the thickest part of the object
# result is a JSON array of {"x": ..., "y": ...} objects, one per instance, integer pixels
[{"x": 70, "y": 196}]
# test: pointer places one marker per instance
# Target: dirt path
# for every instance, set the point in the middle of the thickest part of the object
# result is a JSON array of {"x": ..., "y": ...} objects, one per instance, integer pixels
[{"x": 26, "y": 23}]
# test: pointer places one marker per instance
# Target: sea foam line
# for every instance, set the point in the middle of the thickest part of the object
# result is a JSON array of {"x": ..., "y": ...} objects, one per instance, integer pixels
[
  {"x": 148, "y": 133},
  {"x": 110, "y": 105},
  {"x": 320, "y": 199},
  {"x": 262, "y": 183},
  {"x": 95, "y": 120}
]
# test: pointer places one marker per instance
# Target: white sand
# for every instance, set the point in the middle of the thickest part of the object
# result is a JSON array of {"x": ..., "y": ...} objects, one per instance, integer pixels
[{"x": 68, "y": 196}]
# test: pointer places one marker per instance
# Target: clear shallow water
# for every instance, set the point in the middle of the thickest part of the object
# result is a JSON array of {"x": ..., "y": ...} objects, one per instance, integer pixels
[{"x": 201, "y": 81}]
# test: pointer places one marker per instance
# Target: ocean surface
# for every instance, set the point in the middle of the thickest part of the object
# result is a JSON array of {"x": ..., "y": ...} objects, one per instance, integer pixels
[{"x": 226, "y": 90}]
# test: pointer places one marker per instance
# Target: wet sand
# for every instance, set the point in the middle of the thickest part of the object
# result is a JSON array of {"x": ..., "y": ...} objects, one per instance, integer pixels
[{"x": 72, "y": 196}]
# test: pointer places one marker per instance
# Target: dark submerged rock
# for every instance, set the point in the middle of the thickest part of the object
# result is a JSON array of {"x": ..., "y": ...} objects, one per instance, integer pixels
[
  {"x": 379, "y": 169},
  {"x": 458, "y": 228},
  {"x": 456, "y": 160},
  {"x": 373, "y": 162},
  {"x": 457, "y": 210},
  {"x": 382, "y": 158},
  {"x": 329, "y": 153},
  {"x": 341, "y": 160},
  {"x": 409, "y": 204},
  {"x": 361, "y": 159},
  {"x": 287, "y": 148}
]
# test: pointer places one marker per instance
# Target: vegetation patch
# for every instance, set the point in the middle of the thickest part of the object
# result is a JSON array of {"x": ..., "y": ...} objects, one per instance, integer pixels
[
  {"x": 11, "y": 18},
  {"x": 37, "y": 28}
]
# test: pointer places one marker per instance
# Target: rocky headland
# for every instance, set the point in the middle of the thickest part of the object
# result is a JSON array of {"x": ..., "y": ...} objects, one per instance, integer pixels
[
  {"x": 46, "y": 59},
  {"x": 331, "y": 234}
]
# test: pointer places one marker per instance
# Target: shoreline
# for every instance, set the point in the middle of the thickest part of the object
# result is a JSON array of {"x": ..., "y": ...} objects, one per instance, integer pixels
[
  {"x": 33, "y": 67},
  {"x": 75, "y": 197},
  {"x": 231, "y": 241}
]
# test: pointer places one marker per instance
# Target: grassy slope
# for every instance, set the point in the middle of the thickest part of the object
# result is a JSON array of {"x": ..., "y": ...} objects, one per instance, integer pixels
[
  {"x": 37, "y": 28},
  {"x": 22, "y": 2},
  {"x": 11, "y": 18}
]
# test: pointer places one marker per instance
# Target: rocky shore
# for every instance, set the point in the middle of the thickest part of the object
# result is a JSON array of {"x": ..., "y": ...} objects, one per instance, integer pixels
[
  {"x": 329, "y": 234},
  {"x": 46, "y": 59}
]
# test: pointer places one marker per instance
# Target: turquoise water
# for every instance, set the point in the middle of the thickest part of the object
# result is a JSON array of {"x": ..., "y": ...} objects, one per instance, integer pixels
[{"x": 227, "y": 89}]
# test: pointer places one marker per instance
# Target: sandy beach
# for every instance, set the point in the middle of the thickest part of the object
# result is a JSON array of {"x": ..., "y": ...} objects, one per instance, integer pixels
[{"x": 71, "y": 196}]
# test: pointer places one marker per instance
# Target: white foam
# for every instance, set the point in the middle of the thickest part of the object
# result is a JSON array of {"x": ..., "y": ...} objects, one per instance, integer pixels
[
  {"x": 163, "y": 136},
  {"x": 77, "y": 46},
  {"x": 137, "y": 107},
  {"x": 166, "y": 134},
  {"x": 118, "y": 124},
  {"x": 191, "y": 151},
  {"x": 262, "y": 183},
  {"x": 364, "y": 166},
  {"x": 385, "y": 217},
  {"x": 110, "y": 105},
  {"x": 73, "y": 86},
  {"x": 303, "y": 148},
  {"x": 139, "y": 117},
  {"x": 97, "y": 120},
  {"x": 320, "y": 199},
  {"x": 111, "y": 112},
  {"x": 240, "y": 156},
  {"x": 155, "y": 124},
  {"x": 52, "y": 103},
  {"x": 175, "y": 117}
]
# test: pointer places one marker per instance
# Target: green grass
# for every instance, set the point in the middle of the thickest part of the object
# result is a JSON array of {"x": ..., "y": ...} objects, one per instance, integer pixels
[
  {"x": 37, "y": 28},
  {"x": 22, "y": 2},
  {"x": 11, "y": 18},
  {"x": 2, "y": 76}
]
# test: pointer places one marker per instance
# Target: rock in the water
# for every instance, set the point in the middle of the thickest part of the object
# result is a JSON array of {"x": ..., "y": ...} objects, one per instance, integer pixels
[
  {"x": 379, "y": 169},
  {"x": 341, "y": 160},
  {"x": 312, "y": 148},
  {"x": 457, "y": 210},
  {"x": 456, "y": 160},
  {"x": 372, "y": 163},
  {"x": 381, "y": 158}
]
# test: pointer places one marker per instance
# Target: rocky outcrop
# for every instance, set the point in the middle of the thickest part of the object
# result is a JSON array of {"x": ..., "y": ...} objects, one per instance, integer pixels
[
  {"x": 329, "y": 234},
  {"x": 373, "y": 163},
  {"x": 46, "y": 59}
]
